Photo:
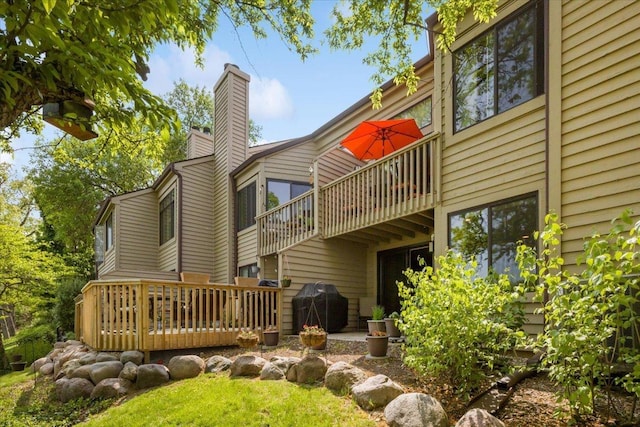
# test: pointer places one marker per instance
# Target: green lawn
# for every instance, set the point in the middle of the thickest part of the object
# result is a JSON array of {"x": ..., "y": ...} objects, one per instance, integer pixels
[{"x": 208, "y": 400}]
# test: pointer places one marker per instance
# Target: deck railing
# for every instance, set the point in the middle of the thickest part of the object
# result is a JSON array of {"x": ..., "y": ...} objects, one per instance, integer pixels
[
  {"x": 151, "y": 315},
  {"x": 287, "y": 224},
  {"x": 397, "y": 185}
]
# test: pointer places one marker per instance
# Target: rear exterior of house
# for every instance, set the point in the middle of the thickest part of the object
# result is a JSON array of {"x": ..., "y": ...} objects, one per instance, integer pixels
[{"x": 536, "y": 111}]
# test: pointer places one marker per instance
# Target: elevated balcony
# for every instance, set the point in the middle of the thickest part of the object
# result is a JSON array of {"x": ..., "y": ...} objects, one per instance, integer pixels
[{"x": 386, "y": 199}]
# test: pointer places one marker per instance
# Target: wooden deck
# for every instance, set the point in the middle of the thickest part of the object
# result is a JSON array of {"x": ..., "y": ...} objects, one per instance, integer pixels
[{"x": 152, "y": 315}]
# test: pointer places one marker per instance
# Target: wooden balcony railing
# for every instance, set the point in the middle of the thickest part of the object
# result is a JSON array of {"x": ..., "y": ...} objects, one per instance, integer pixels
[
  {"x": 397, "y": 185},
  {"x": 151, "y": 315},
  {"x": 287, "y": 224}
]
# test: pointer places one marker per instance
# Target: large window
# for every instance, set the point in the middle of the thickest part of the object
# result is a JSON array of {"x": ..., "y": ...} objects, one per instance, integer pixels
[
  {"x": 491, "y": 234},
  {"x": 246, "y": 213},
  {"x": 108, "y": 231},
  {"x": 167, "y": 217},
  {"x": 501, "y": 69},
  {"x": 279, "y": 192},
  {"x": 420, "y": 112}
]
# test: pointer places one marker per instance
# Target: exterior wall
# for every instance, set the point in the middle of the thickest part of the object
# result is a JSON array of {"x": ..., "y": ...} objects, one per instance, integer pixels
[
  {"x": 138, "y": 231},
  {"x": 291, "y": 165},
  {"x": 110, "y": 262},
  {"x": 140, "y": 274},
  {"x": 246, "y": 239},
  {"x": 600, "y": 116},
  {"x": 168, "y": 252},
  {"x": 337, "y": 262},
  {"x": 196, "y": 215},
  {"x": 502, "y": 157}
]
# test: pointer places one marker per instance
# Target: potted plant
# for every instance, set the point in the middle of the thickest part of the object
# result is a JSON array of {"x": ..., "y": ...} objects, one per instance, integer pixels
[
  {"x": 377, "y": 319},
  {"x": 271, "y": 336},
  {"x": 391, "y": 325},
  {"x": 286, "y": 281},
  {"x": 378, "y": 343},
  {"x": 313, "y": 337},
  {"x": 247, "y": 339}
]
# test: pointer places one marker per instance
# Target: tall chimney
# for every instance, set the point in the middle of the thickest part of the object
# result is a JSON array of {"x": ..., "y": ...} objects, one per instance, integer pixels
[{"x": 230, "y": 144}]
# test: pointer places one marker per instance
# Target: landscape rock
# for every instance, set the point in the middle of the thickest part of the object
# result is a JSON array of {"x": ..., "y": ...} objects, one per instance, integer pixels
[
  {"x": 341, "y": 376},
  {"x": 479, "y": 418},
  {"x": 182, "y": 367},
  {"x": 68, "y": 389},
  {"x": 83, "y": 371},
  {"x": 46, "y": 369},
  {"x": 102, "y": 370},
  {"x": 69, "y": 367},
  {"x": 129, "y": 372},
  {"x": 111, "y": 387},
  {"x": 415, "y": 410},
  {"x": 284, "y": 363},
  {"x": 106, "y": 357},
  {"x": 375, "y": 392},
  {"x": 134, "y": 356},
  {"x": 271, "y": 372},
  {"x": 309, "y": 370},
  {"x": 151, "y": 375},
  {"x": 216, "y": 364},
  {"x": 39, "y": 363},
  {"x": 88, "y": 358},
  {"x": 247, "y": 366}
]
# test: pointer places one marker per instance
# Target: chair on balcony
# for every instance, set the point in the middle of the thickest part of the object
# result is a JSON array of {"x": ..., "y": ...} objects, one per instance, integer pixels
[{"x": 365, "y": 304}]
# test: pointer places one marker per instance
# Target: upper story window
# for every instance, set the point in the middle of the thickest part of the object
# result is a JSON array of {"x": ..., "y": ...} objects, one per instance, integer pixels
[
  {"x": 246, "y": 213},
  {"x": 420, "y": 112},
  {"x": 490, "y": 234},
  {"x": 167, "y": 217},
  {"x": 108, "y": 232},
  {"x": 279, "y": 192},
  {"x": 501, "y": 69}
]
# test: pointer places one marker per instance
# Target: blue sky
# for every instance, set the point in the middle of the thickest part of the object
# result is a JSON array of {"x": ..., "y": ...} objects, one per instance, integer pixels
[{"x": 288, "y": 98}]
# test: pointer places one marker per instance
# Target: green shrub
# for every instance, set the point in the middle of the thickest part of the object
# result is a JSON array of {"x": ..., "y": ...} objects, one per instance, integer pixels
[
  {"x": 377, "y": 312},
  {"x": 64, "y": 308},
  {"x": 457, "y": 324},
  {"x": 592, "y": 326}
]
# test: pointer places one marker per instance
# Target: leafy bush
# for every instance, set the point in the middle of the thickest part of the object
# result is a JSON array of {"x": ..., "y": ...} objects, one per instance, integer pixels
[
  {"x": 457, "y": 324},
  {"x": 592, "y": 326},
  {"x": 64, "y": 309}
]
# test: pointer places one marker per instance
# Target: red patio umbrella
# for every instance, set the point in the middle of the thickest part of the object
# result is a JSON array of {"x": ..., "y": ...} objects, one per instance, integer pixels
[{"x": 375, "y": 139}]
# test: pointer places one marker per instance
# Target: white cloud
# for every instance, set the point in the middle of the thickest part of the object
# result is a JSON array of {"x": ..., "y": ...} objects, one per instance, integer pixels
[
  {"x": 170, "y": 63},
  {"x": 269, "y": 99}
]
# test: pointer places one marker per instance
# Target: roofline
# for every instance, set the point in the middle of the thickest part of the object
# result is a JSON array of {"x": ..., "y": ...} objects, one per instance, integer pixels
[{"x": 353, "y": 108}]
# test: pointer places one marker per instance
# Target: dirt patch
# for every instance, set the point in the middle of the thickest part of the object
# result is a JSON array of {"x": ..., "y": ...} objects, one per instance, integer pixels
[{"x": 532, "y": 404}]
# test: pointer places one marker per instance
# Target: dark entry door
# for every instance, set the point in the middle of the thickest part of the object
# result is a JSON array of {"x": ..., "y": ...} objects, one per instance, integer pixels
[{"x": 391, "y": 264}]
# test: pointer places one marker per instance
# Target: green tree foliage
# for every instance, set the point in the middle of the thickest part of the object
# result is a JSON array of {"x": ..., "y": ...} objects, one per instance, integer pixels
[
  {"x": 71, "y": 178},
  {"x": 394, "y": 23},
  {"x": 53, "y": 50},
  {"x": 28, "y": 274},
  {"x": 64, "y": 309},
  {"x": 592, "y": 316},
  {"x": 194, "y": 106},
  {"x": 456, "y": 323}
]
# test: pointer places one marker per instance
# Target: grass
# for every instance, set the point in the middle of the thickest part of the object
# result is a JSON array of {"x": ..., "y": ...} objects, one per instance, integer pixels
[
  {"x": 29, "y": 351},
  {"x": 203, "y": 401},
  {"x": 221, "y": 401}
]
